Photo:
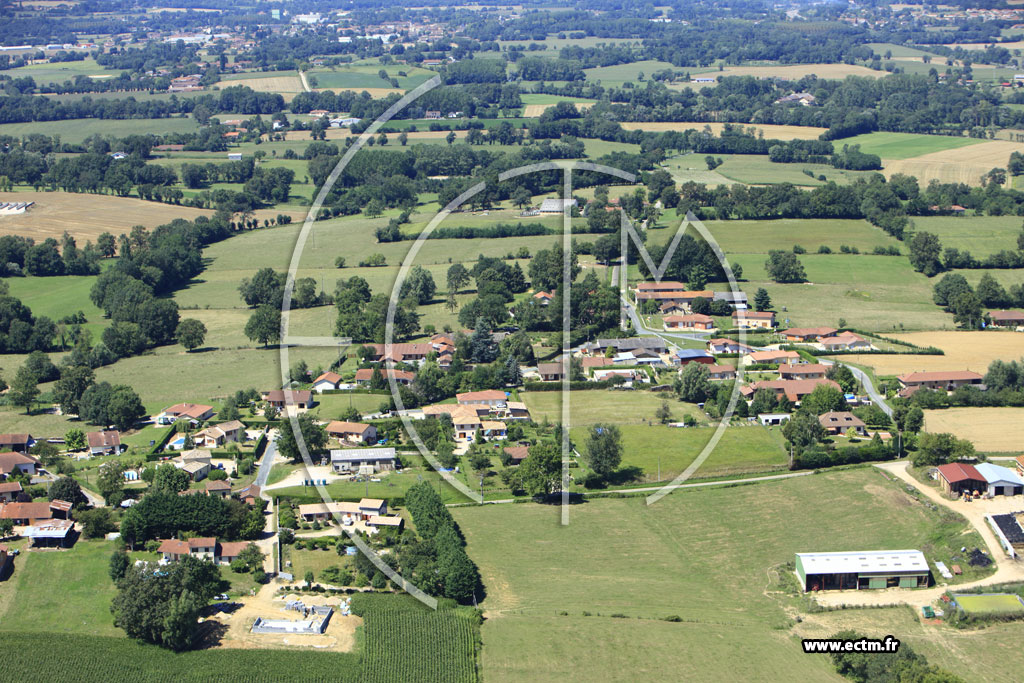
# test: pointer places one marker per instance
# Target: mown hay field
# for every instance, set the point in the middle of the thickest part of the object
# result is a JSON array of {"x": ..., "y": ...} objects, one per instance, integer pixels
[
  {"x": 771, "y": 130},
  {"x": 964, "y": 350},
  {"x": 989, "y": 429},
  {"x": 534, "y": 110},
  {"x": 963, "y": 165},
  {"x": 895, "y": 146},
  {"x": 278, "y": 84}
]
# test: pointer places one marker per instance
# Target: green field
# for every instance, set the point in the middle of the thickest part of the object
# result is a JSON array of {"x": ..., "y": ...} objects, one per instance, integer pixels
[
  {"x": 590, "y": 407},
  {"x": 61, "y": 71},
  {"x": 614, "y": 76},
  {"x": 989, "y": 603},
  {"x": 77, "y": 130},
  {"x": 739, "y": 237},
  {"x": 545, "y": 98},
  {"x": 980, "y": 235},
  {"x": 360, "y": 76},
  {"x": 710, "y": 556},
  {"x": 904, "y": 145},
  {"x": 59, "y": 296},
  {"x": 757, "y": 169}
]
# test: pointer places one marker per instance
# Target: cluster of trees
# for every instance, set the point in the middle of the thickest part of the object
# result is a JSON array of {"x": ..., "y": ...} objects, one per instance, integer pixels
[
  {"x": 904, "y": 665},
  {"x": 266, "y": 288},
  {"x": 96, "y": 172},
  {"x": 453, "y": 575},
  {"x": 165, "y": 514},
  {"x": 20, "y": 330},
  {"x": 968, "y": 304},
  {"x": 20, "y": 255},
  {"x": 362, "y": 315}
]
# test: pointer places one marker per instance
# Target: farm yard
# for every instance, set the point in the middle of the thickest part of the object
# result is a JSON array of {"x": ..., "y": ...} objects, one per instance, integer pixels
[{"x": 992, "y": 430}]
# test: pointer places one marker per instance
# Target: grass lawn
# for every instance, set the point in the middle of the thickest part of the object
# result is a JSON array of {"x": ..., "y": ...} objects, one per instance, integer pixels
[
  {"x": 390, "y": 486},
  {"x": 601, "y": 405},
  {"x": 614, "y": 76},
  {"x": 707, "y": 555},
  {"x": 63, "y": 592},
  {"x": 311, "y": 560},
  {"x": 331, "y": 406},
  {"x": 904, "y": 145}
]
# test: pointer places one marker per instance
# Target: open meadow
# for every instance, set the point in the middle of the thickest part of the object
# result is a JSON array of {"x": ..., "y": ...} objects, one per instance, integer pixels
[
  {"x": 960, "y": 165},
  {"x": 621, "y": 567},
  {"x": 980, "y": 235},
  {"x": 994, "y": 430},
  {"x": 77, "y": 130},
  {"x": 771, "y": 130}
]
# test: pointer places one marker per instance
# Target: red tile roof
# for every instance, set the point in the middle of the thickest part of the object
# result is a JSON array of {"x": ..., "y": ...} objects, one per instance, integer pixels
[{"x": 958, "y": 471}]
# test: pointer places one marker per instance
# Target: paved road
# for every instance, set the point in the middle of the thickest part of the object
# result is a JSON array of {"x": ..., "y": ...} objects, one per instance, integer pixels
[
  {"x": 268, "y": 460},
  {"x": 862, "y": 377}
]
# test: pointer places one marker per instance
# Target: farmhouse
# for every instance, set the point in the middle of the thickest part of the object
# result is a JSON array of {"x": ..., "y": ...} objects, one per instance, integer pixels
[
  {"x": 9, "y": 490},
  {"x": 792, "y": 389},
  {"x": 100, "y": 443},
  {"x": 400, "y": 353},
  {"x": 194, "y": 412},
  {"x": 218, "y": 435},
  {"x": 19, "y": 443},
  {"x": 807, "y": 334},
  {"x": 772, "y": 357},
  {"x": 722, "y": 345},
  {"x": 943, "y": 380},
  {"x": 802, "y": 371},
  {"x": 841, "y": 422},
  {"x": 694, "y": 321},
  {"x": 753, "y": 319},
  {"x": 489, "y": 397},
  {"x": 663, "y": 286},
  {"x": 550, "y": 372},
  {"x": 1000, "y": 481},
  {"x": 363, "y": 460},
  {"x": 957, "y": 477},
  {"x": 11, "y": 461},
  {"x": 686, "y": 356},
  {"x": 860, "y": 570},
  {"x": 403, "y": 377},
  {"x": 302, "y": 399},
  {"x": 352, "y": 431},
  {"x": 328, "y": 381},
  {"x": 1006, "y": 318}
]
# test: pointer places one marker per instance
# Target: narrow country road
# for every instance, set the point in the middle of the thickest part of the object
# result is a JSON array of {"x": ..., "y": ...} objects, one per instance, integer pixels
[
  {"x": 1007, "y": 570},
  {"x": 305, "y": 83},
  {"x": 869, "y": 387},
  {"x": 268, "y": 459}
]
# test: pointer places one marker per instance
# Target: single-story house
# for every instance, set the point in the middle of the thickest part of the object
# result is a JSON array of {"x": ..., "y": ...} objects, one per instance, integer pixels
[
  {"x": 279, "y": 398},
  {"x": 628, "y": 374},
  {"x": 196, "y": 469},
  {"x": 218, "y": 435},
  {"x": 723, "y": 345},
  {"x": 1006, "y": 318},
  {"x": 228, "y": 551},
  {"x": 590, "y": 362},
  {"x": 328, "y": 381},
  {"x": 802, "y": 371},
  {"x": 107, "y": 441},
  {"x": 363, "y": 460},
  {"x": 52, "y": 533},
  {"x": 9, "y": 490},
  {"x": 863, "y": 569},
  {"x": 557, "y": 205},
  {"x": 11, "y": 461},
  {"x": 218, "y": 488},
  {"x": 352, "y": 431},
  {"x": 23, "y": 514},
  {"x": 19, "y": 443},
  {"x": 958, "y": 477},
  {"x": 721, "y": 372},
  {"x": 663, "y": 286},
  {"x": 738, "y": 300},
  {"x": 517, "y": 454},
  {"x": 248, "y": 495},
  {"x": 600, "y": 346},
  {"x": 401, "y": 353},
  {"x": 807, "y": 334},
  {"x": 772, "y": 358},
  {"x": 685, "y": 356},
  {"x": 385, "y": 521},
  {"x": 845, "y": 341},
  {"x": 368, "y": 507},
  {"x": 753, "y": 319},
  {"x": 1000, "y": 481},
  {"x": 693, "y": 321},
  {"x": 550, "y": 372},
  {"x": 670, "y": 307},
  {"x": 837, "y": 422},
  {"x": 792, "y": 389},
  {"x": 543, "y": 298},
  {"x": 636, "y": 357},
  {"x": 323, "y": 512},
  {"x": 772, "y": 419},
  {"x": 403, "y": 377},
  {"x": 516, "y": 410},
  {"x": 489, "y": 397},
  {"x": 194, "y": 412},
  {"x": 947, "y": 380}
]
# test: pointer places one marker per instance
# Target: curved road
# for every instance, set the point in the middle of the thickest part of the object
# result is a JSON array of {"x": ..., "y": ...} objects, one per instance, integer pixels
[{"x": 869, "y": 387}]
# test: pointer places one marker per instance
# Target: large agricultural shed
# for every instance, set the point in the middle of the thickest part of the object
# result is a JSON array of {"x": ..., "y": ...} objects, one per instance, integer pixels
[{"x": 863, "y": 569}]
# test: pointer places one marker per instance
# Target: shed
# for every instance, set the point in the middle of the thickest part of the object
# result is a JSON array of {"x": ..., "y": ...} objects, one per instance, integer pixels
[
  {"x": 862, "y": 569},
  {"x": 957, "y": 477},
  {"x": 1000, "y": 481}
]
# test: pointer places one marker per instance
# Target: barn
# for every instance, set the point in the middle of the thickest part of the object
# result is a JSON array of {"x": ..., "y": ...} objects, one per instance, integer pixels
[
  {"x": 862, "y": 569},
  {"x": 957, "y": 477}
]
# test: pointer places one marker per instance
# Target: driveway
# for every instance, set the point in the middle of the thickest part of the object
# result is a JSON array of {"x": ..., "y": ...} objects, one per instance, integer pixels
[{"x": 1007, "y": 570}]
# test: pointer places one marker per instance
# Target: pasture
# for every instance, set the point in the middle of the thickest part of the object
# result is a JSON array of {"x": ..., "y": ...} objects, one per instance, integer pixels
[
  {"x": 561, "y": 587},
  {"x": 366, "y": 76},
  {"x": 795, "y": 72},
  {"x": 615, "y": 76},
  {"x": 770, "y": 130},
  {"x": 738, "y": 237},
  {"x": 62, "y": 71},
  {"x": 960, "y": 165},
  {"x": 286, "y": 84},
  {"x": 758, "y": 169},
  {"x": 905, "y": 145},
  {"x": 77, "y": 130},
  {"x": 590, "y": 407},
  {"x": 963, "y": 350},
  {"x": 59, "y": 296},
  {"x": 992, "y": 430},
  {"x": 980, "y": 235}
]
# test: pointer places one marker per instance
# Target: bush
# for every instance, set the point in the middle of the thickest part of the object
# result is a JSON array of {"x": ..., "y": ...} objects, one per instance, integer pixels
[{"x": 217, "y": 475}]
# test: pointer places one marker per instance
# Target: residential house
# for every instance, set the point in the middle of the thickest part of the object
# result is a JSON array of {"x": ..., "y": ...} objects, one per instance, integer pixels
[
  {"x": 413, "y": 353},
  {"x": 385, "y": 521},
  {"x": 249, "y": 495},
  {"x": 19, "y": 443},
  {"x": 792, "y": 389},
  {"x": 958, "y": 477},
  {"x": 465, "y": 422},
  {"x": 628, "y": 374},
  {"x": 845, "y": 341},
  {"x": 403, "y": 377},
  {"x": 278, "y": 398},
  {"x": 370, "y": 507},
  {"x": 663, "y": 286},
  {"x": 196, "y": 470},
  {"x": 807, "y": 334},
  {"x": 52, "y": 533},
  {"x": 686, "y": 356},
  {"x": 753, "y": 320},
  {"x": 772, "y": 358},
  {"x": 543, "y": 298},
  {"x": 721, "y": 372},
  {"x": 673, "y": 308},
  {"x": 358, "y": 432},
  {"x": 636, "y": 357},
  {"x": 325, "y": 512},
  {"x": 193, "y": 412},
  {"x": 1000, "y": 481},
  {"x": 490, "y": 397},
  {"x": 24, "y": 514},
  {"x": 219, "y": 435},
  {"x": 432, "y": 114},
  {"x": 11, "y": 461},
  {"x": 773, "y": 419},
  {"x": 516, "y": 410},
  {"x": 683, "y": 297},
  {"x": 723, "y": 345},
  {"x": 802, "y": 371},
  {"x": 836, "y": 423},
  {"x": 218, "y": 488},
  {"x": 328, "y": 381},
  {"x": 204, "y": 548},
  {"x": 941, "y": 380},
  {"x": 1006, "y": 318},
  {"x": 550, "y": 372},
  {"x": 101, "y": 443},
  {"x": 737, "y": 300},
  {"x": 9, "y": 490},
  {"x": 228, "y": 551},
  {"x": 601, "y": 346},
  {"x": 694, "y": 321},
  {"x": 591, "y": 362},
  {"x": 363, "y": 460}
]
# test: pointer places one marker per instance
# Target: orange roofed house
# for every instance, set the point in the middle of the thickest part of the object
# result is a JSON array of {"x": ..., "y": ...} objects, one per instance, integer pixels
[
  {"x": 807, "y": 334},
  {"x": 194, "y": 412},
  {"x": 793, "y": 389},
  {"x": 940, "y": 380}
]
